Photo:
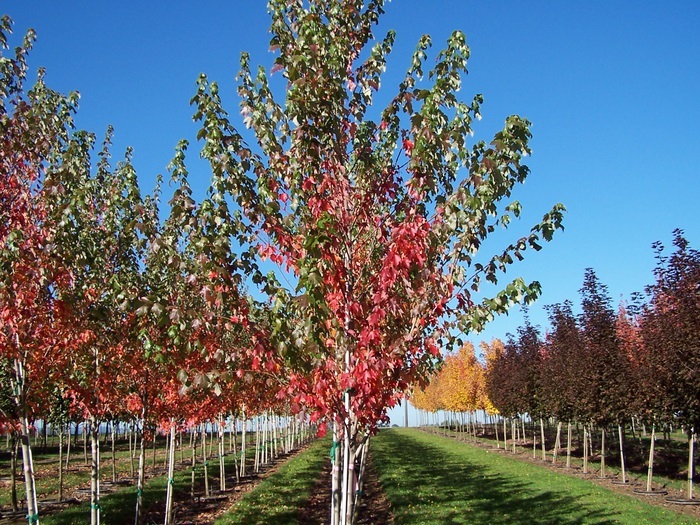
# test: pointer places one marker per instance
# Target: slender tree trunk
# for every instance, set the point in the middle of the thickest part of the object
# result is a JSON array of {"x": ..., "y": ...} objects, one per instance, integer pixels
[
  {"x": 95, "y": 471},
  {"x": 585, "y": 449},
  {"x": 132, "y": 446},
  {"x": 495, "y": 427},
  {"x": 155, "y": 438},
  {"x": 513, "y": 427},
  {"x": 60, "y": 463},
  {"x": 557, "y": 443},
  {"x": 114, "y": 454},
  {"x": 222, "y": 450},
  {"x": 360, "y": 486},
  {"x": 14, "y": 445},
  {"x": 602, "y": 452},
  {"x": 141, "y": 471},
  {"x": 205, "y": 461},
  {"x": 234, "y": 449},
  {"x": 171, "y": 476},
  {"x": 257, "y": 444},
  {"x": 68, "y": 434},
  {"x": 335, "y": 477},
  {"x": 193, "y": 442},
  {"x": 691, "y": 460},
  {"x": 544, "y": 448},
  {"x": 622, "y": 453},
  {"x": 650, "y": 468},
  {"x": 85, "y": 440},
  {"x": 25, "y": 440},
  {"x": 243, "y": 440},
  {"x": 568, "y": 445}
]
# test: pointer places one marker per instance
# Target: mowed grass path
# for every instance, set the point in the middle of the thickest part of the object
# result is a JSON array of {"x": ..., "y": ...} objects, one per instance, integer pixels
[{"x": 431, "y": 479}]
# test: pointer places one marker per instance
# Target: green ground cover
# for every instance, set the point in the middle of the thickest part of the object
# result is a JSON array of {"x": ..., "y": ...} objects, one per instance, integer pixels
[
  {"x": 431, "y": 479},
  {"x": 278, "y": 499}
]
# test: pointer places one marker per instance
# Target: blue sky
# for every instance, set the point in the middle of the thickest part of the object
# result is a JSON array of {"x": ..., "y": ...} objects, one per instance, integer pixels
[{"x": 611, "y": 88}]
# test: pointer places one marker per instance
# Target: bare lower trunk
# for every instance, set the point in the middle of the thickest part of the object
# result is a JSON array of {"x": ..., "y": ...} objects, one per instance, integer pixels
[
  {"x": 335, "y": 477},
  {"x": 14, "y": 445},
  {"x": 243, "y": 439},
  {"x": 364, "y": 448},
  {"x": 68, "y": 447},
  {"x": 602, "y": 452},
  {"x": 95, "y": 472},
  {"x": 650, "y": 469},
  {"x": 557, "y": 443},
  {"x": 568, "y": 445},
  {"x": 205, "y": 461},
  {"x": 194, "y": 462},
  {"x": 132, "y": 446},
  {"x": 222, "y": 465},
  {"x": 60, "y": 463},
  {"x": 114, "y": 455},
  {"x": 622, "y": 453},
  {"x": 27, "y": 460},
  {"x": 544, "y": 448},
  {"x": 691, "y": 463},
  {"x": 141, "y": 474},
  {"x": 171, "y": 476},
  {"x": 495, "y": 427},
  {"x": 585, "y": 449}
]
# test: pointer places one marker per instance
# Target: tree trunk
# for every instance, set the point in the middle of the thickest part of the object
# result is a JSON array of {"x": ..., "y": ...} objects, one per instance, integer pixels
[
  {"x": 14, "y": 445},
  {"x": 691, "y": 460},
  {"x": 243, "y": 439},
  {"x": 364, "y": 448},
  {"x": 27, "y": 460},
  {"x": 650, "y": 469},
  {"x": 141, "y": 472},
  {"x": 222, "y": 450},
  {"x": 585, "y": 449},
  {"x": 114, "y": 455},
  {"x": 60, "y": 463},
  {"x": 194, "y": 462},
  {"x": 335, "y": 477},
  {"x": 132, "y": 446},
  {"x": 171, "y": 476},
  {"x": 544, "y": 448},
  {"x": 568, "y": 445},
  {"x": 622, "y": 453},
  {"x": 205, "y": 461},
  {"x": 95, "y": 472},
  {"x": 602, "y": 452},
  {"x": 85, "y": 440},
  {"x": 68, "y": 433},
  {"x": 557, "y": 444},
  {"x": 495, "y": 427}
]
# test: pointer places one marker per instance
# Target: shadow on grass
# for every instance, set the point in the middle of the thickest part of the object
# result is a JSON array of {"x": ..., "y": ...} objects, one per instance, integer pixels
[{"x": 428, "y": 482}]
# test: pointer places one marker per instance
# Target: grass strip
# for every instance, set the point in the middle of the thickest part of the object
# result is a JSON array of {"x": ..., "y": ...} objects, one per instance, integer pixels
[
  {"x": 278, "y": 499},
  {"x": 431, "y": 479}
]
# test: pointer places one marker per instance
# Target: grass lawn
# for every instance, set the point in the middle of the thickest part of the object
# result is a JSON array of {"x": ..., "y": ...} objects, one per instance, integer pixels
[
  {"x": 431, "y": 479},
  {"x": 278, "y": 499}
]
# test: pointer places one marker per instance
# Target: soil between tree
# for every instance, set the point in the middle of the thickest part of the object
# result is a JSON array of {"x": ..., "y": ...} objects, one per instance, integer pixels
[{"x": 375, "y": 508}]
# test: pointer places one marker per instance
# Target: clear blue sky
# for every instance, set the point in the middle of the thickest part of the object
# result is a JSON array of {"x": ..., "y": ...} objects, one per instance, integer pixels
[{"x": 612, "y": 87}]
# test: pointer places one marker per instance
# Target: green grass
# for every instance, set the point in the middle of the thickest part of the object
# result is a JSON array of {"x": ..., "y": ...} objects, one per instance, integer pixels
[
  {"x": 278, "y": 499},
  {"x": 119, "y": 506},
  {"x": 430, "y": 479}
]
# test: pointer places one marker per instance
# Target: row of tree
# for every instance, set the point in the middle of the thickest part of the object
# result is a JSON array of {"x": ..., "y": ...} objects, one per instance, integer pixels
[
  {"x": 601, "y": 368},
  {"x": 372, "y": 224}
]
